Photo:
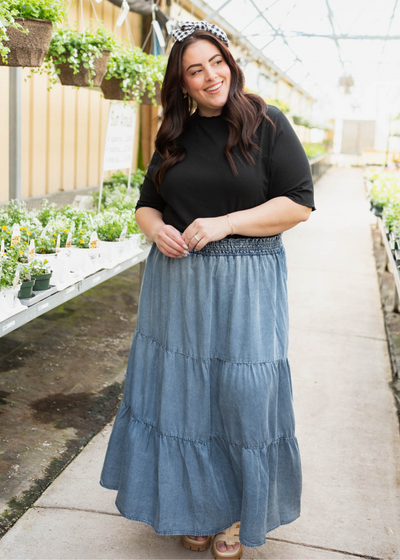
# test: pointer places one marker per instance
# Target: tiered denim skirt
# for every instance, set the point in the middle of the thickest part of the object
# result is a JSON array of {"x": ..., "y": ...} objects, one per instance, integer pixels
[{"x": 205, "y": 434}]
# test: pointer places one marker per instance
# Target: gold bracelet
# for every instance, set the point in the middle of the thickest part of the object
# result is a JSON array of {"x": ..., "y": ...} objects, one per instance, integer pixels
[{"x": 230, "y": 223}]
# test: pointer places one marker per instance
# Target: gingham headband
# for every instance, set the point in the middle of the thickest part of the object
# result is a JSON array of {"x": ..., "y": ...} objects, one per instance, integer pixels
[{"x": 186, "y": 28}]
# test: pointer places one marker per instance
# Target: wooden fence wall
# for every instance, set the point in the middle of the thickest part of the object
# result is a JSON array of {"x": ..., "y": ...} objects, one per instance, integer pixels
[{"x": 63, "y": 130}]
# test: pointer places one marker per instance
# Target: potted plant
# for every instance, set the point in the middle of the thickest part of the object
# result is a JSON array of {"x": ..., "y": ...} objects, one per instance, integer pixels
[
  {"x": 27, "y": 282},
  {"x": 153, "y": 76},
  {"x": 84, "y": 259},
  {"x": 134, "y": 235},
  {"x": 26, "y": 29},
  {"x": 40, "y": 273},
  {"x": 79, "y": 59},
  {"x": 122, "y": 80},
  {"x": 8, "y": 283},
  {"x": 46, "y": 212},
  {"x": 112, "y": 237},
  {"x": 17, "y": 259}
]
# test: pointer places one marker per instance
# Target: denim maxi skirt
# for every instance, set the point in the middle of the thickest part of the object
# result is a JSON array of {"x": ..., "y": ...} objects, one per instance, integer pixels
[{"x": 205, "y": 434}]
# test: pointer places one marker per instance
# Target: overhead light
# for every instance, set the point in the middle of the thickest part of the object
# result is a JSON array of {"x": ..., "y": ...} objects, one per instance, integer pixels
[{"x": 347, "y": 82}]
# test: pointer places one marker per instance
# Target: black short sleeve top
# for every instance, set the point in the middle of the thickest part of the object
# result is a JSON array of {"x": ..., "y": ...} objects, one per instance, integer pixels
[{"x": 203, "y": 184}]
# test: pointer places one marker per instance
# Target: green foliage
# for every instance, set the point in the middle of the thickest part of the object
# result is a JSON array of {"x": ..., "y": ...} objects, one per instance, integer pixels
[
  {"x": 314, "y": 149},
  {"x": 136, "y": 71},
  {"x": 17, "y": 211},
  {"x": 119, "y": 178},
  {"x": 109, "y": 226},
  {"x": 46, "y": 212},
  {"x": 284, "y": 107},
  {"x": 53, "y": 10},
  {"x": 39, "y": 267},
  {"x": 8, "y": 268},
  {"x": 384, "y": 195},
  {"x": 128, "y": 218},
  {"x": 46, "y": 242},
  {"x": 391, "y": 212},
  {"x": 10, "y": 263},
  {"x": 77, "y": 216},
  {"x": 154, "y": 71},
  {"x": 46, "y": 223},
  {"x": 74, "y": 48},
  {"x": 115, "y": 194},
  {"x": 81, "y": 237},
  {"x": 301, "y": 121},
  {"x": 385, "y": 188}
]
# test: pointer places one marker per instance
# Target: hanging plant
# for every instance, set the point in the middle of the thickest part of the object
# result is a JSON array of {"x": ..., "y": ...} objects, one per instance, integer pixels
[
  {"x": 79, "y": 59},
  {"x": 153, "y": 76},
  {"x": 125, "y": 71},
  {"x": 26, "y": 27}
]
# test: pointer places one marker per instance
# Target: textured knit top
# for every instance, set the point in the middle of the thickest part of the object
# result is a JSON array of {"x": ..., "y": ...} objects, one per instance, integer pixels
[{"x": 203, "y": 184}]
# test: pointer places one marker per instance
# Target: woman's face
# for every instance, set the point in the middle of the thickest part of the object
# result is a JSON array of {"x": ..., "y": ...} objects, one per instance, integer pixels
[{"x": 203, "y": 68}]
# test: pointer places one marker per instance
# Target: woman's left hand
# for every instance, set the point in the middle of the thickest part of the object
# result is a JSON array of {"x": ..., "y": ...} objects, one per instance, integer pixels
[{"x": 206, "y": 229}]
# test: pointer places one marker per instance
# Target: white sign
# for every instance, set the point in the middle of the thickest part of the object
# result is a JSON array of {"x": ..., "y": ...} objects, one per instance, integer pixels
[
  {"x": 120, "y": 135},
  {"x": 123, "y": 13}
]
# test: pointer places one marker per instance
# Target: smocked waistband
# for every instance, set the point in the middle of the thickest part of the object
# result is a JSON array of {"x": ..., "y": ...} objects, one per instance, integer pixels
[{"x": 242, "y": 246}]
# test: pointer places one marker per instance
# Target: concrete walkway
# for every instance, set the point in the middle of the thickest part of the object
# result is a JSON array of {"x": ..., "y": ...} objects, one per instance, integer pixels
[{"x": 347, "y": 426}]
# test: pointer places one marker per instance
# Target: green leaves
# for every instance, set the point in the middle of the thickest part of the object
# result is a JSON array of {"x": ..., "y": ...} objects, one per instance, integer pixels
[
  {"x": 53, "y": 10},
  {"x": 385, "y": 188},
  {"x": 75, "y": 48},
  {"x": 136, "y": 71}
]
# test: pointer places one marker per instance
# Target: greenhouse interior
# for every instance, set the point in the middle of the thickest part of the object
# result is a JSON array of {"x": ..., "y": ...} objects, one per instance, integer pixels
[{"x": 166, "y": 428}]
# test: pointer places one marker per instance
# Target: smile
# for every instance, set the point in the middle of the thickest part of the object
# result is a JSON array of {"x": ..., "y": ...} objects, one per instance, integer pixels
[{"x": 215, "y": 88}]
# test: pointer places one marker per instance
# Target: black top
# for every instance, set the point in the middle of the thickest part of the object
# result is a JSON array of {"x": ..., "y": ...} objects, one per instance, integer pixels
[{"x": 203, "y": 184}]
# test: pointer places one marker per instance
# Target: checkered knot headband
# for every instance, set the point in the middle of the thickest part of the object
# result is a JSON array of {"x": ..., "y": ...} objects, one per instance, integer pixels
[{"x": 188, "y": 27}]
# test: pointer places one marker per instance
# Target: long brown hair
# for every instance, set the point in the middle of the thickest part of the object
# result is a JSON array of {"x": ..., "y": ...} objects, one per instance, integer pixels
[{"x": 242, "y": 111}]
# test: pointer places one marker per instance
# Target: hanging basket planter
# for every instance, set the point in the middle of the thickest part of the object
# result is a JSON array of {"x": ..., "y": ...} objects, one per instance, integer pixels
[
  {"x": 112, "y": 90},
  {"x": 28, "y": 49},
  {"x": 76, "y": 58},
  {"x": 131, "y": 73},
  {"x": 68, "y": 78},
  {"x": 146, "y": 100}
]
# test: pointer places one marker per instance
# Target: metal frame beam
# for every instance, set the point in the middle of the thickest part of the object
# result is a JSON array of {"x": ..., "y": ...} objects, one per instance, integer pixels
[
  {"x": 14, "y": 150},
  {"x": 330, "y": 17},
  {"x": 237, "y": 35},
  {"x": 351, "y": 37}
]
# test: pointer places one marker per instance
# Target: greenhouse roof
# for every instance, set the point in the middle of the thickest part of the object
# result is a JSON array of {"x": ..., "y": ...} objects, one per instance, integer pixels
[{"x": 317, "y": 42}]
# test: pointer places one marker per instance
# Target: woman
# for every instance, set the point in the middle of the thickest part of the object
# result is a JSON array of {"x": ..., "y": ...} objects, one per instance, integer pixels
[{"x": 205, "y": 435}]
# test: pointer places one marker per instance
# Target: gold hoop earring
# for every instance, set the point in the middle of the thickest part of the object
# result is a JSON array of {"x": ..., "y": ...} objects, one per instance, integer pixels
[{"x": 185, "y": 95}]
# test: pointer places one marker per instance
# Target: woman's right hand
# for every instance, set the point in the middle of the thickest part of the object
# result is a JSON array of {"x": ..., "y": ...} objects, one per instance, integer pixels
[{"x": 169, "y": 240}]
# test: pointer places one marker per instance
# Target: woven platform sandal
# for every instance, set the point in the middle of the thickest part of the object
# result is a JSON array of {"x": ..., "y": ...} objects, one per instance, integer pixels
[
  {"x": 230, "y": 536},
  {"x": 194, "y": 544}
]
